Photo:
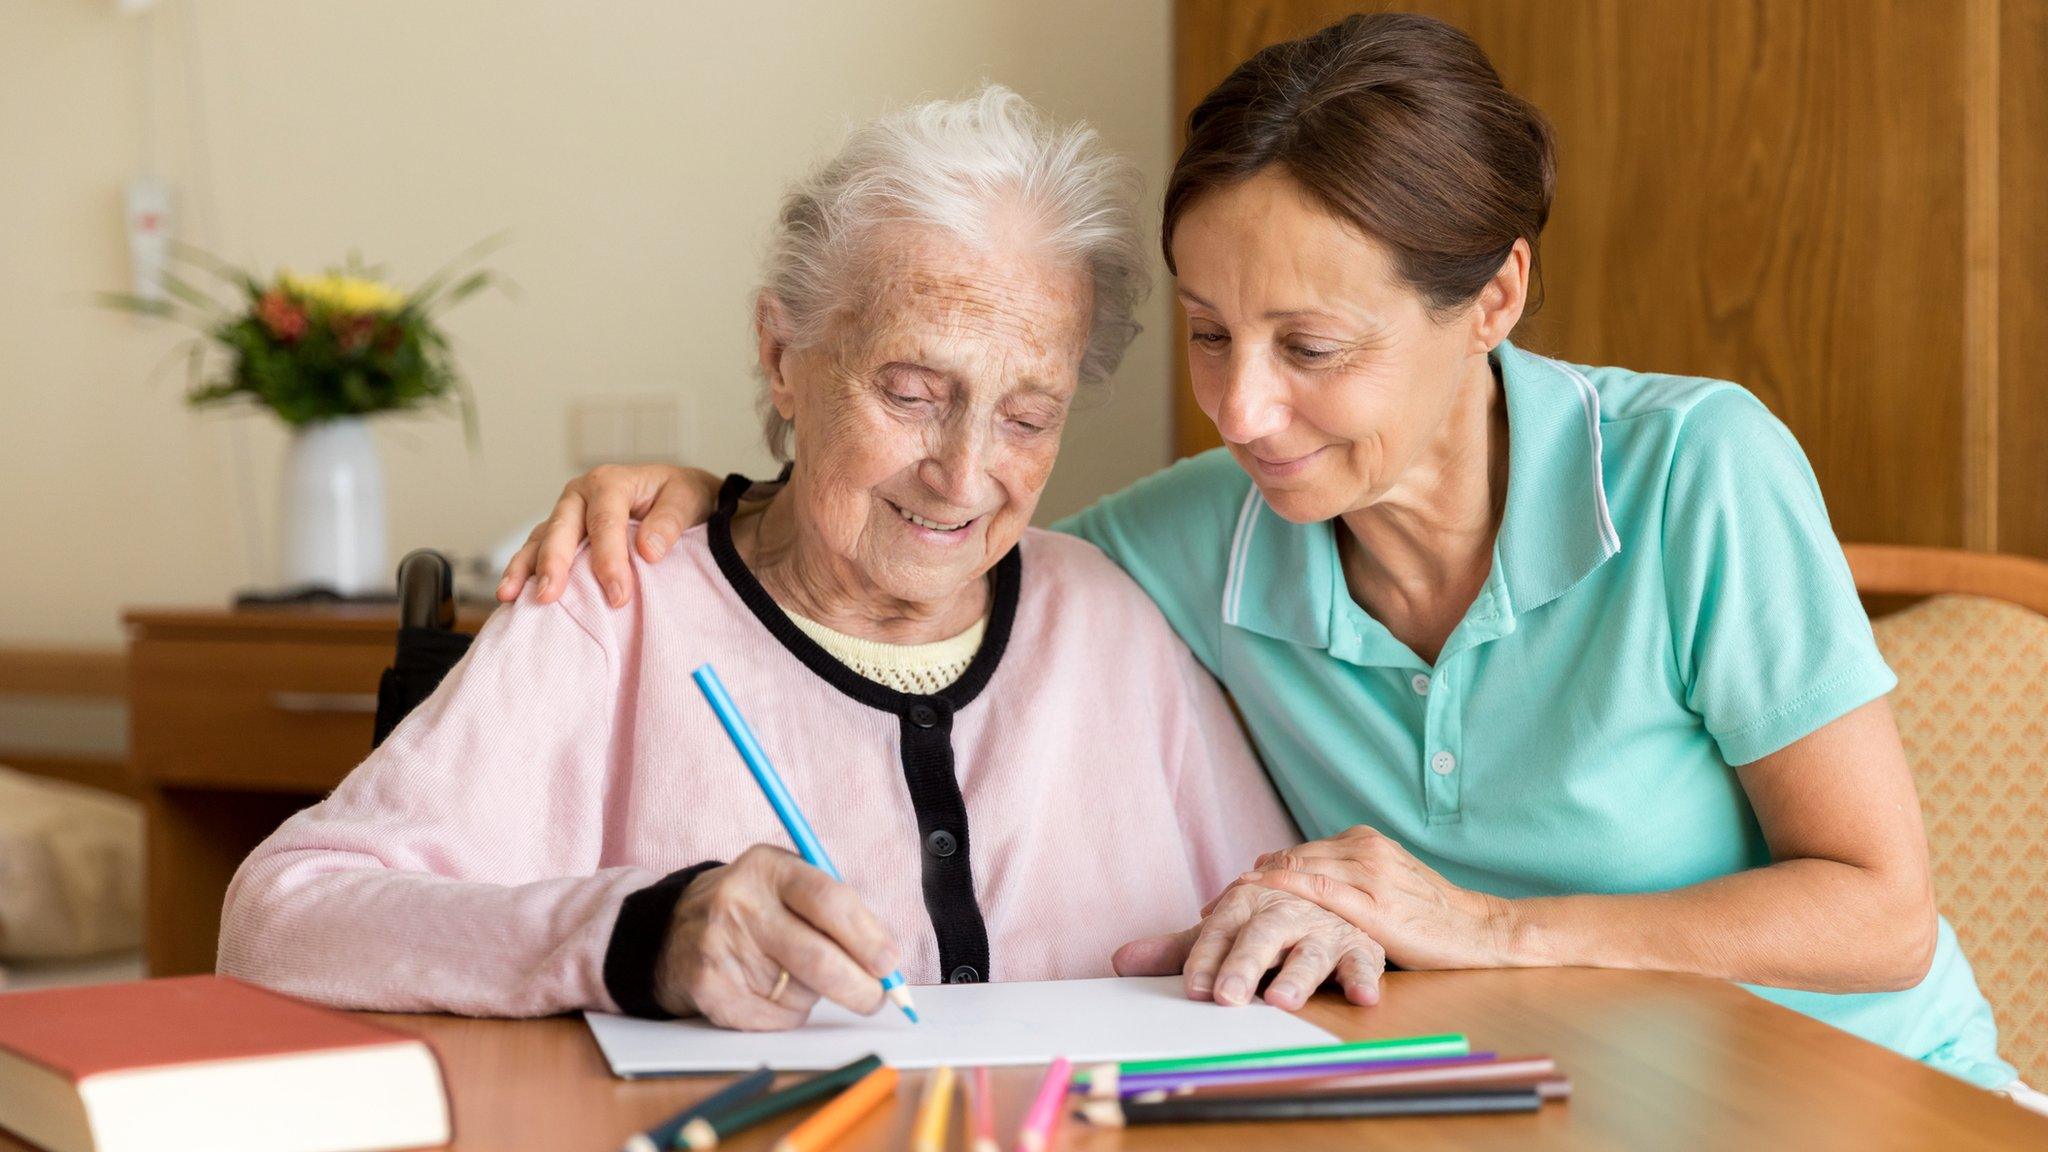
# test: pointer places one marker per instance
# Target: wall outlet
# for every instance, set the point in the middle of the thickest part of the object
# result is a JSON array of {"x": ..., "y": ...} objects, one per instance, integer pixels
[{"x": 653, "y": 428}]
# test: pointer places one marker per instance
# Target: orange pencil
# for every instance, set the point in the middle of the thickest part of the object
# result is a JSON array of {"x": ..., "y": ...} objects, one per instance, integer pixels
[{"x": 831, "y": 1122}]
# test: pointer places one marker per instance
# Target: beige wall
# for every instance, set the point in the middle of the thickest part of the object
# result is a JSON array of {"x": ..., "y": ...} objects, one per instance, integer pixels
[{"x": 633, "y": 148}]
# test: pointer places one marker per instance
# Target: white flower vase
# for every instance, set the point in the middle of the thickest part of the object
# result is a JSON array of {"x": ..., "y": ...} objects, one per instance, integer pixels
[{"x": 335, "y": 533}]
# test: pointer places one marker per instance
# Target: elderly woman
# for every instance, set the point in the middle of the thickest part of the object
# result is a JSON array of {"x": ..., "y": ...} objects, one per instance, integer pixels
[
  {"x": 971, "y": 713},
  {"x": 1561, "y": 665}
]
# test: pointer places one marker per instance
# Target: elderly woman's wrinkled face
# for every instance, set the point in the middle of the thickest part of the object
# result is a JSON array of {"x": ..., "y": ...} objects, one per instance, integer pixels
[{"x": 926, "y": 424}]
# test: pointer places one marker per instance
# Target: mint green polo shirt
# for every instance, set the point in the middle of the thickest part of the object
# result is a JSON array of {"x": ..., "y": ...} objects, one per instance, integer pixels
[{"x": 1667, "y": 601}]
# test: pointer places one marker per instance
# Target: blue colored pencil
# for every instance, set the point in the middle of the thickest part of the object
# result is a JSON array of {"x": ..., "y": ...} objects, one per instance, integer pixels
[{"x": 792, "y": 817}]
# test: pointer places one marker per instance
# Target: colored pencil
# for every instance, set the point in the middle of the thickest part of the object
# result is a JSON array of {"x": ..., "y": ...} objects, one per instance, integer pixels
[
  {"x": 663, "y": 1135},
  {"x": 1169, "y": 1081},
  {"x": 1494, "y": 1076},
  {"x": 1045, "y": 1108},
  {"x": 1124, "y": 1113},
  {"x": 831, "y": 1122},
  {"x": 792, "y": 817},
  {"x": 928, "y": 1132},
  {"x": 1102, "y": 1080},
  {"x": 705, "y": 1131},
  {"x": 979, "y": 1111}
]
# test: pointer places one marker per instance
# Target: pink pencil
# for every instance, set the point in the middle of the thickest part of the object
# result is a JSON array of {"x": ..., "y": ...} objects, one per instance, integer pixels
[
  {"x": 980, "y": 1111},
  {"x": 1045, "y": 1108}
]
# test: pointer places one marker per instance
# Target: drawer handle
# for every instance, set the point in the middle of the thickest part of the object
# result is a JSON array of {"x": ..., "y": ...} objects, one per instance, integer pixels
[{"x": 325, "y": 703}]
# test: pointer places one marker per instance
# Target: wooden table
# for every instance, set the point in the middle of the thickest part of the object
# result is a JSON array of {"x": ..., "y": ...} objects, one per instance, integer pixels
[{"x": 1657, "y": 1061}]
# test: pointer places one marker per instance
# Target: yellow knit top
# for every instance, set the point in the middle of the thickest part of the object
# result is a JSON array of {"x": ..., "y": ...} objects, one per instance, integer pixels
[{"x": 921, "y": 669}]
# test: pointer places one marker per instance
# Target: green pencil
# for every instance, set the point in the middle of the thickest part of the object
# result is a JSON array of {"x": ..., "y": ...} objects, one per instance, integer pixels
[
  {"x": 1101, "y": 1080},
  {"x": 707, "y": 1130}
]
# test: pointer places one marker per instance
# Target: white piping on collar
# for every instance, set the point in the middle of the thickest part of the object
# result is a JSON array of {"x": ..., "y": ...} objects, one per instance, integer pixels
[
  {"x": 1240, "y": 548},
  {"x": 1589, "y": 399}
]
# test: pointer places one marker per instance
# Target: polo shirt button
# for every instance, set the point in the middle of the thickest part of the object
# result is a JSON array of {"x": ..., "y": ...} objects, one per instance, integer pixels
[
  {"x": 941, "y": 843},
  {"x": 964, "y": 974},
  {"x": 1420, "y": 683},
  {"x": 1443, "y": 763},
  {"x": 924, "y": 715}
]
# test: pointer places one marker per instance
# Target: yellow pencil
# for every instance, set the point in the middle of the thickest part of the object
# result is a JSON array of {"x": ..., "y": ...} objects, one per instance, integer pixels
[
  {"x": 928, "y": 1134},
  {"x": 830, "y": 1122}
]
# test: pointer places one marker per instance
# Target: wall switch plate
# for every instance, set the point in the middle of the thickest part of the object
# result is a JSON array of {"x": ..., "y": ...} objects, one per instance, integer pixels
[{"x": 642, "y": 429}]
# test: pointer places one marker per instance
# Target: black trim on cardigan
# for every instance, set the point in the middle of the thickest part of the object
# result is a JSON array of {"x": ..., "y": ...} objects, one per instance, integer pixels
[
  {"x": 633, "y": 954},
  {"x": 1003, "y": 587},
  {"x": 926, "y": 724}
]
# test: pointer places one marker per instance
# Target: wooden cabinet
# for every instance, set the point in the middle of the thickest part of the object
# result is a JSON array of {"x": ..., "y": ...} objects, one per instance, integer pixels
[
  {"x": 239, "y": 719},
  {"x": 1841, "y": 204}
]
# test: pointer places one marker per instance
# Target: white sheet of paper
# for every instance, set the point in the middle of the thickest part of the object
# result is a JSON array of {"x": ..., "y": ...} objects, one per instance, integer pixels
[{"x": 1142, "y": 1018}]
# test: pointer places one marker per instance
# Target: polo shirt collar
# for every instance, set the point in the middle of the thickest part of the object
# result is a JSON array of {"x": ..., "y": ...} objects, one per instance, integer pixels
[
  {"x": 1284, "y": 579},
  {"x": 1556, "y": 528}
]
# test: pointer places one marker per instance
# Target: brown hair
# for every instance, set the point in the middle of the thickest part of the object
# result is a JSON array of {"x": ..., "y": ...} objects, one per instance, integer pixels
[{"x": 1399, "y": 125}]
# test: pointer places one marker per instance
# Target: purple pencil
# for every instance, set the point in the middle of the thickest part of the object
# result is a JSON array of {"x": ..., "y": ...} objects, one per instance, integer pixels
[{"x": 1168, "y": 1081}]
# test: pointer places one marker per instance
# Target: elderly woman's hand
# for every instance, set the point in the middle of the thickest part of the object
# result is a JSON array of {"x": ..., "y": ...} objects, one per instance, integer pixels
[
  {"x": 1247, "y": 931},
  {"x": 740, "y": 927},
  {"x": 1422, "y": 919},
  {"x": 667, "y": 501}
]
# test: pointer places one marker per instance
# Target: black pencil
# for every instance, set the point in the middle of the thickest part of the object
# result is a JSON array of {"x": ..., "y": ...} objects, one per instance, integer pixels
[
  {"x": 663, "y": 1135},
  {"x": 1118, "y": 1114},
  {"x": 705, "y": 1131}
]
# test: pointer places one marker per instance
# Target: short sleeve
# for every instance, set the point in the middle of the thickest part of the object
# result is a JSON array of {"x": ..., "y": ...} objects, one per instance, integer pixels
[
  {"x": 1771, "y": 640},
  {"x": 1171, "y": 532}
]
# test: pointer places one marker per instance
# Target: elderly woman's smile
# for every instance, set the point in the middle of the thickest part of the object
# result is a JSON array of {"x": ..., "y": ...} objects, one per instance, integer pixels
[{"x": 939, "y": 531}]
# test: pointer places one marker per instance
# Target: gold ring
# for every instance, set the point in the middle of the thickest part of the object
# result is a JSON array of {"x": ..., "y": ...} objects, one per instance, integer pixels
[{"x": 781, "y": 986}]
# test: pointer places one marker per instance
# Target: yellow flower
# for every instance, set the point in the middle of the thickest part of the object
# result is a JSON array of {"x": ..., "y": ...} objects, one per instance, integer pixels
[{"x": 352, "y": 295}]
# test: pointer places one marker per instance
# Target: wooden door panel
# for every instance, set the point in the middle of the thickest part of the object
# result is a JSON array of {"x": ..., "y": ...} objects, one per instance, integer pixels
[{"x": 1770, "y": 193}]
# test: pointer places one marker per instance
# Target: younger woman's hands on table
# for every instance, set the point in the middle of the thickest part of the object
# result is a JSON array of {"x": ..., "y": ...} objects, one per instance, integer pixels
[
  {"x": 667, "y": 501},
  {"x": 1249, "y": 930},
  {"x": 1423, "y": 920},
  {"x": 739, "y": 927}
]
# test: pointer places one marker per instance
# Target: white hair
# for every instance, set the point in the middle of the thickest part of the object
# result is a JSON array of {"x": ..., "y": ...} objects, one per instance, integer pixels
[{"x": 961, "y": 166}]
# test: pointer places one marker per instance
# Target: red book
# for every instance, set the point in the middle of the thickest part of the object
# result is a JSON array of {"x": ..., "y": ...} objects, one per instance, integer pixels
[{"x": 213, "y": 1065}]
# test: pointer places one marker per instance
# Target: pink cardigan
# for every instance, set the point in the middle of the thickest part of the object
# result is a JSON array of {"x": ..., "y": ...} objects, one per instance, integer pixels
[{"x": 504, "y": 852}]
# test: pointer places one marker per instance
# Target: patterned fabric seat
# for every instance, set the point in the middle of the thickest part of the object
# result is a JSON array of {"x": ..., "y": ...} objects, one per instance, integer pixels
[{"x": 1972, "y": 707}]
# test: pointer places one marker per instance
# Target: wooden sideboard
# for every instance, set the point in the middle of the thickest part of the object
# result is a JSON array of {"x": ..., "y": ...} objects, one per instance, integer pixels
[{"x": 237, "y": 720}]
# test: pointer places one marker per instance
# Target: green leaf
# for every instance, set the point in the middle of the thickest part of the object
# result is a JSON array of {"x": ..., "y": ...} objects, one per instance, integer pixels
[
  {"x": 124, "y": 302},
  {"x": 466, "y": 287},
  {"x": 429, "y": 290},
  {"x": 192, "y": 297}
]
